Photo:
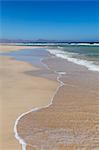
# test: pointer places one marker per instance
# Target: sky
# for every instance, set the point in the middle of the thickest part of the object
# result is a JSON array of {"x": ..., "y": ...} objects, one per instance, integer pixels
[{"x": 53, "y": 20}]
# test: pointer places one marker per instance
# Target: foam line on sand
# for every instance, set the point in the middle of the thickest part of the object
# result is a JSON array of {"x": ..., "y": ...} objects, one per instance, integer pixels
[{"x": 21, "y": 141}]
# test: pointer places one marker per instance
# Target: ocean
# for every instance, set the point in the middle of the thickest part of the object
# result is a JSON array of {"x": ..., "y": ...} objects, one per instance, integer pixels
[
  {"x": 82, "y": 54},
  {"x": 85, "y": 55}
]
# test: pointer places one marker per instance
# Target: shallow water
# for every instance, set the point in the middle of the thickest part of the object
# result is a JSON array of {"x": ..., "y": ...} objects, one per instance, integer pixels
[
  {"x": 32, "y": 56},
  {"x": 87, "y": 56}
]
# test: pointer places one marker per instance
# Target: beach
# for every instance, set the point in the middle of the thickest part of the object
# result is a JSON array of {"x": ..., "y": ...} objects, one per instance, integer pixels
[
  {"x": 49, "y": 75},
  {"x": 4, "y": 48},
  {"x": 71, "y": 121},
  {"x": 19, "y": 93},
  {"x": 50, "y": 107}
]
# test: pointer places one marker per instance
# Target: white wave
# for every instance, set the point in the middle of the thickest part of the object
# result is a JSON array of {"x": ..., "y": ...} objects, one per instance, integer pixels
[
  {"x": 69, "y": 56},
  {"x": 96, "y": 44},
  {"x": 84, "y": 44}
]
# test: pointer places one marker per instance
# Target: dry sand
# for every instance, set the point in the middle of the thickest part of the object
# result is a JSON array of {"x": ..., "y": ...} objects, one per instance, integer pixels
[
  {"x": 7, "y": 48},
  {"x": 19, "y": 93}
]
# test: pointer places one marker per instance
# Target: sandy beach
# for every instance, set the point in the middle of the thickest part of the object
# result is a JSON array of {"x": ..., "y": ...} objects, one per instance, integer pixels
[
  {"x": 20, "y": 92},
  {"x": 49, "y": 75},
  {"x": 8, "y": 48},
  {"x": 72, "y": 121}
]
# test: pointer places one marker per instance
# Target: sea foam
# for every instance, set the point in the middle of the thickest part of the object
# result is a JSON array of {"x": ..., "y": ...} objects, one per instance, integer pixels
[
  {"x": 69, "y": 57},
  {"x": 22, "y": 141}
]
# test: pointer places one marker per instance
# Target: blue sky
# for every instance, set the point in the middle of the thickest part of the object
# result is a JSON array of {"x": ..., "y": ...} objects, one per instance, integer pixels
[{"x": 59, "y": 20}]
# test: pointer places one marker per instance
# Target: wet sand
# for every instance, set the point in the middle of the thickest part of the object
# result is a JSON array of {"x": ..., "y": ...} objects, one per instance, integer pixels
[
  {"x": 20, "y": 92},
  {"x": 72, "y": 121}
]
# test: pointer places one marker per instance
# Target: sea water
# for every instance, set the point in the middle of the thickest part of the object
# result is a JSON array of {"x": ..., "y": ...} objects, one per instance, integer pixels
[{"x": 85, "y": 55}]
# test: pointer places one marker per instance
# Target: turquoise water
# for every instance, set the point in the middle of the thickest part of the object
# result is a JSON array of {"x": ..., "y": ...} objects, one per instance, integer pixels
[
  {"x": 32, "y": 56},
  {"x": 86, "y": 55},
  {"x": 85, "y": 52}
]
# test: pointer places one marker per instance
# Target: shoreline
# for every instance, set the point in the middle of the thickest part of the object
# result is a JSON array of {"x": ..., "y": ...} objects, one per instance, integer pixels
[
  {"x": 88, "y": 64},
  {"x": 48, "y": 106},
  {"x": 21, "y": 141},
  {"x": 48, "y": 85},
  {"x": 61, "y": 83},
  {"x": 11, "y": 48}
]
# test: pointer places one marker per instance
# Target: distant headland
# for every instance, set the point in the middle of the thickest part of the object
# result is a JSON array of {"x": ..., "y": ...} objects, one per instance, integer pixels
[{"x": 45, "y": 41}]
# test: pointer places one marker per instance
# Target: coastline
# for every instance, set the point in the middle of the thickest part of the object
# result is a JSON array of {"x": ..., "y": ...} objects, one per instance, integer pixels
[
  {"x": 21, "y": 141},
  {"x": 46, "y": 110},
  {"x": 12, "y": 68},
  {"x": 12, "y": 48},
  {"x": 61, "y": 54},
  {"x": 59, "y": 94}
]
